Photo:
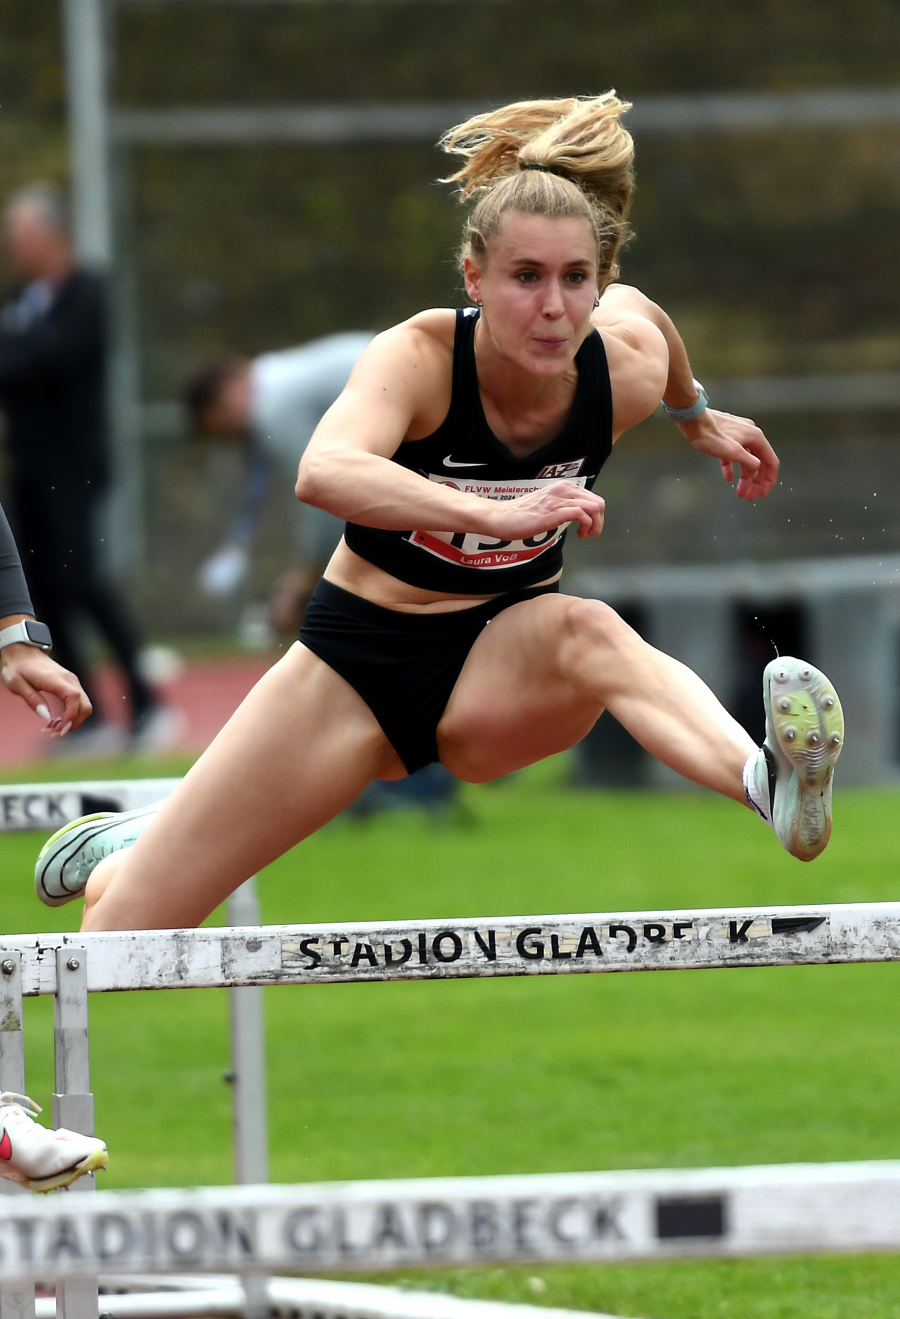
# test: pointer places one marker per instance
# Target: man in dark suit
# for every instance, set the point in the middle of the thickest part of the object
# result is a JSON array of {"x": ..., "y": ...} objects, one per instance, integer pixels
[{"x": 53, "y": 353}]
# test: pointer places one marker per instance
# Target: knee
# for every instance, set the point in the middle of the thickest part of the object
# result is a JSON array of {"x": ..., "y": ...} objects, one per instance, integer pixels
[{"x": 592, "y": 633}]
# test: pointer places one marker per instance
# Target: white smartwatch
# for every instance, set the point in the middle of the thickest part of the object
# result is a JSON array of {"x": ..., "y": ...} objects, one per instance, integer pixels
[{"x": 29, "y": 633}]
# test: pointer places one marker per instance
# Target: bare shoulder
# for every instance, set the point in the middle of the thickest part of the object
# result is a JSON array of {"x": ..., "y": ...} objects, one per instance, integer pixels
[
  {"x": 412, "y": 362},
  {"x": 634, "y": 343},
  {"x": 424, "y": 339},
  {"x": 636, "y": 352}
]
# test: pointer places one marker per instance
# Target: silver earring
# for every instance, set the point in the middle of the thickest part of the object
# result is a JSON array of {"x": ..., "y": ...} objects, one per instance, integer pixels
[{"x": 597, "y": 301}]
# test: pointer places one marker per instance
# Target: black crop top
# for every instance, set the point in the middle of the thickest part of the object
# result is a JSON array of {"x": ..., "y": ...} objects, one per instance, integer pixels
[{"x": 464, "y": 453}]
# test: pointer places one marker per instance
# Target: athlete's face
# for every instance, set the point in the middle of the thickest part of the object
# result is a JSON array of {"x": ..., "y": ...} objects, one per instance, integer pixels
[{"x": 537, "y": 288}]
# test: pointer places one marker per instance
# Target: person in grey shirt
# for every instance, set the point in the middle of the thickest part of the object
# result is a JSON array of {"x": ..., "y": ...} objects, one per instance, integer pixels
[{"x": 272, "y": 404}]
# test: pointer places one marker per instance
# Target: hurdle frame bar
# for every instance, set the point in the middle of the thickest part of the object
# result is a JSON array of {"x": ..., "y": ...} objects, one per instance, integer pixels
[{"x": 216, "y": 957}]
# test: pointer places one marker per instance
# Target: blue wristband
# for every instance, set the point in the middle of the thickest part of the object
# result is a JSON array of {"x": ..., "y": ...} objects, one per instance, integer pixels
[{"x": 695, "y": 410}]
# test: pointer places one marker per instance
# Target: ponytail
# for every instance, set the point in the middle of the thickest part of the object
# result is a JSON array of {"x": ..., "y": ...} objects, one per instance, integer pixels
[{"x": 554, "y": 158}]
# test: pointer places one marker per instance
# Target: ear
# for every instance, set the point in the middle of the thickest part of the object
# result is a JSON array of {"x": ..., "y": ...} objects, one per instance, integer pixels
[{"x": 472, "y": 280}]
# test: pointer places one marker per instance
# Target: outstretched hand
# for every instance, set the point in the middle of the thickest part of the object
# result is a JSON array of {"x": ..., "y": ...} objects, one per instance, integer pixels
[
  {"x": 735, "y": 442},
  {"x": 29, "y": 673}
]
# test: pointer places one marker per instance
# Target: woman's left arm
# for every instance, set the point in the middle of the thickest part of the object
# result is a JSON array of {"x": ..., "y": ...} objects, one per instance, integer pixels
[{"x": 734, "y": 441}]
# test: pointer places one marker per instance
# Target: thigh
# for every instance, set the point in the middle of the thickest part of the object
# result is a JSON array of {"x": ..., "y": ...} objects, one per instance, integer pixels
[
  {"x": 300, "y": 748},
  {"x": 513, "y": 703}
]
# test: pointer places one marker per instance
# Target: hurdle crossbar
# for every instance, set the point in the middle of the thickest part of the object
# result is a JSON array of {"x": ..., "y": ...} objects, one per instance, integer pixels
[
  {"x": 29, "y": 807},
  {"x": 449, "y": 949},
  {"x": 600, "y": 1216}
]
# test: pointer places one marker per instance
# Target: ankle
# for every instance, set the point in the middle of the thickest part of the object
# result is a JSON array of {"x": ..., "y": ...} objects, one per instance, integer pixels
[{"x": 757, "y": 795}]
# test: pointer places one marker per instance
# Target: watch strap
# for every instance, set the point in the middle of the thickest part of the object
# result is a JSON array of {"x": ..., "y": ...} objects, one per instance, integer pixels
[
  {"x": 28, "y": 632},
  {"x": 695, "y": 410}
]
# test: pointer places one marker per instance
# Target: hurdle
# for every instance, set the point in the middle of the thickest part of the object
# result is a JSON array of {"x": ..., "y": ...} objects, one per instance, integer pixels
[
  {"x": 542, "y": 1218},
  {"x": 28, "y": 807},
  {"x": 255, "y": 1229},
  {"x": 32, "y": 807}
]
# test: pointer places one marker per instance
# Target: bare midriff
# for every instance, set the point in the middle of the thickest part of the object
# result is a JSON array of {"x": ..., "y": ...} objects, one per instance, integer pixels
[{"x": 362, "y": 578}]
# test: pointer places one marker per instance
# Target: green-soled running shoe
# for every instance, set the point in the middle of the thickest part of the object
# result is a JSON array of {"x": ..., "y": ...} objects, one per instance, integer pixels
[
  {"x": 788, "y": 782},
  {"x": 67, "y": 860}
]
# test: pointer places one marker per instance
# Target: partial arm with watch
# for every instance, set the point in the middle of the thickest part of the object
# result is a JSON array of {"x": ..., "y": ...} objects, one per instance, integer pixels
[
  {"x": 27, "y": 669},
  {"x": 736, "y": 442}
]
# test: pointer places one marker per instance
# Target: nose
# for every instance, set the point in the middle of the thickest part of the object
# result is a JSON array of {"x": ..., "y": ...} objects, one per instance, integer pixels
[{"x": 554, "y": 305}]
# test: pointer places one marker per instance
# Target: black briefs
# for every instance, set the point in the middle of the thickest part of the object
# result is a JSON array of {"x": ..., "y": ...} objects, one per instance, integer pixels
[{"x": 403, "y": 665}]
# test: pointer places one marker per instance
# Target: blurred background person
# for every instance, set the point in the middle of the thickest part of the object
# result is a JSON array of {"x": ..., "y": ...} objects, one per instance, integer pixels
[
  {"x": 271, "y": 404},
  {"x": 53, "y": 356}
]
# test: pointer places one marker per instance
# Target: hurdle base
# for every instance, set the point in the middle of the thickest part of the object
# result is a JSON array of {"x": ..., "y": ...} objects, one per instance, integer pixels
[{"x": 155, "y": 1296}]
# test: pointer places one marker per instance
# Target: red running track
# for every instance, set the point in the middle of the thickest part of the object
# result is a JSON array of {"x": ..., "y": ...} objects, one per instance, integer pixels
[{"x": 205, "y": 696}]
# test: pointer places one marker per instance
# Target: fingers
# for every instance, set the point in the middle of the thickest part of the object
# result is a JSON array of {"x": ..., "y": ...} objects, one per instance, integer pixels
[
  {"x": 35, "y": 674},
  {"x": 589, "y": 515},
  {"x": 595, "y": 529},
  {"x": 72, "y": 694},
  {"x": 20, "y": 686},
  {"x": 545, "y": 509},
  {"x": 759, "y": 475},
  {"x": 756, "y": 482}
]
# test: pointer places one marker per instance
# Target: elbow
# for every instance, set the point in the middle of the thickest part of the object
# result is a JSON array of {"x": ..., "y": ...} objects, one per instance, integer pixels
[
  {"x": 312, "y": 482},
  {"x": 303, "y": 488}
]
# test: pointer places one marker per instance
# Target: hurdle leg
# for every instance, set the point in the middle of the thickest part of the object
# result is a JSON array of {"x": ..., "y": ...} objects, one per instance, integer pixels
[
  {"x": 16, "y": 1299},
  {"x": 248, "y": 1058},
  {"x": 248, "y": 1080},
  {"x": 73, "y": 1103}
]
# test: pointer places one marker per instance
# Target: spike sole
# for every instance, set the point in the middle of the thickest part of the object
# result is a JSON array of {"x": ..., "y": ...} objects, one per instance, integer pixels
[{"x": 805, "y": 720}]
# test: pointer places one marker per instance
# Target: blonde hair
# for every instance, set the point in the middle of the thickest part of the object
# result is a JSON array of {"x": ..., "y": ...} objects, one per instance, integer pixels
[{"x": 569, "y": 157}]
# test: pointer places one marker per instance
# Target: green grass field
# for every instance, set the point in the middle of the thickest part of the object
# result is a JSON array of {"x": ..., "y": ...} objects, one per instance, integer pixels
[{"x": 531, "y": 1075}]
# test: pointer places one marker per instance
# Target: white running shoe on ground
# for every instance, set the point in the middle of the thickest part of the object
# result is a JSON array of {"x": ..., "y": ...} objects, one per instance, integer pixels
[
  {"x": 41, "y": 1159},
  {"x": 67, "y": 860},
  {"x": 788, "y": 781}
]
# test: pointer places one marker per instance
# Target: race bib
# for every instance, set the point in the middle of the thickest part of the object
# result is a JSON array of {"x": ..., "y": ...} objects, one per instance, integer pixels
[{"x": 471, "y": 549}]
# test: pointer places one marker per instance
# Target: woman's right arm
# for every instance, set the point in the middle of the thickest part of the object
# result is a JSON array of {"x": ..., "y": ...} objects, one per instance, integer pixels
[{"x": 347, "y": 471}]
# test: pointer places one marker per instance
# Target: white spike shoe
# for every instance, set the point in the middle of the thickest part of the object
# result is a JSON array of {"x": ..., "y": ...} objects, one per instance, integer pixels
[
  {"x": 41, "y": 1159},
  {"x": 789, "y": 781},
  {"x": 67, "y": 860}
]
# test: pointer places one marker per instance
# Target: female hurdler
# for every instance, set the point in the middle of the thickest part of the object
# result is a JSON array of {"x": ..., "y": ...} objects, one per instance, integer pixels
[{"x": 463, "y": 446}]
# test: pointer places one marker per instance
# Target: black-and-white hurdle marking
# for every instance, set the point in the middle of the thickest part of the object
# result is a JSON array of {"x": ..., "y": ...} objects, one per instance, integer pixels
[
  {"x": 602, "y": 1216},
  {"x": 593, "y": 942}
]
